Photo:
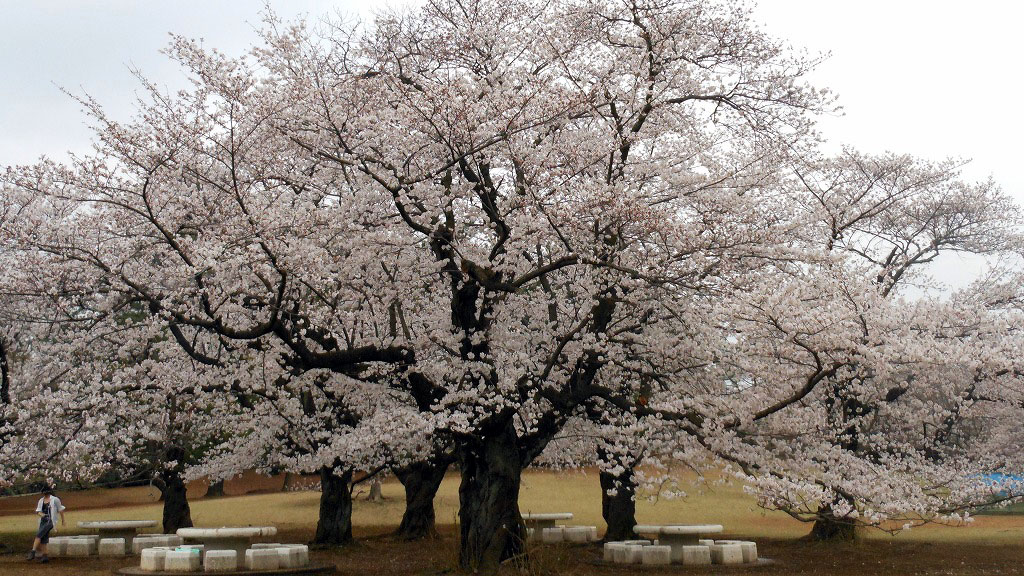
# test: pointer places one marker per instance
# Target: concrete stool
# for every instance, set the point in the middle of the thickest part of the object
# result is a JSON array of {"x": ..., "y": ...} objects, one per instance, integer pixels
[
  {"x": 112, "y": 547},
  {"x": 726, "y": 554},
  {"x": 531, "y": 533},
  {"x": 303, "y": 553},
  {"x": 57, "y": 547},
  {"x": 265, "y": 545},
  {"x": 693, "y": 555},
  {"x": 182, "y": 561},
  {"x": 171, "y": 540},
  {"x": 553, "y": 535},
  {"x": 262, "y": 559},
  {"x": 153, "y": 559},
  {"x": 220, "y": 561},
  {"x": 576, "y": 534},
  {"x": 703, "y": 542},
  {"x": 142, "y": 542},
  {"x": 289, "y": 557},
  {"x": 637, "y": 542},
  {"x": 81, "y": 547},
  {"x": 749, "y": 549},
  {"x": 609, "y": 550},
  {"x": 200, "y": 547},
  {"x": 629, "y": 554},
  {"x": 657, "y": 555}
]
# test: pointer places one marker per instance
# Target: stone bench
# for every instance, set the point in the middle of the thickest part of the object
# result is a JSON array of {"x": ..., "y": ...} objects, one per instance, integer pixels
[
  {"x": 288, "y": 557},
  {"x": 726, "y": 553},
  {"x": 143, "y": 541},
  {"x": 552, "y": 535},
  {"x": 220, "y": 561},
  {"x": 656, "y": 555},
  {"x": 262, "y": 559},
  {"x": 76, "y": 547},
  {"x": 579, "y": 534},
  {"x": 609, "y": 550},
  {"x": 693, "y": 555},
  {"x": 112, "y": 547},
  {"x": 152, "y": 559},
  {"x": 302, "y": 553},
  {"x": 629, "y": 554},
  {"x": 182, "y": 560},
  {"x": 57, "y": 547},
  {"x": 749, "y": 549}
]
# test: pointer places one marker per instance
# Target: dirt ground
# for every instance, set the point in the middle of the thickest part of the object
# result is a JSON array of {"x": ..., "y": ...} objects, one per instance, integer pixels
[
  {"x": 990, "y": 545},
  {"x": 388, "y": 557}
]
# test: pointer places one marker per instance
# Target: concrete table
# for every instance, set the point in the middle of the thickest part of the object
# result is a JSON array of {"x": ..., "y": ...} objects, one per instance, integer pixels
[
  {"x": 228, "y": 538},
  {"x": 126, "y": 529},
  {"x": 676, "y": 535},
  {"x": 541, "y": 521}
]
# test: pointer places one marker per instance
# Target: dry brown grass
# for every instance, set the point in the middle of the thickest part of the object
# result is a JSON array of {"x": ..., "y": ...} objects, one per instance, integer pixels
[{"x": 992, "y": 545}]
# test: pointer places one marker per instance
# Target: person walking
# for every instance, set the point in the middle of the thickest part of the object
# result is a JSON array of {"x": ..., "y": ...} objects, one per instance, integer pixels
[{"x": 47, "y": 508}]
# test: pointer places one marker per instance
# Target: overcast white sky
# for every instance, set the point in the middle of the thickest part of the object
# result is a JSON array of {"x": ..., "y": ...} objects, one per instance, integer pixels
[{"x": 931, "y": 78}]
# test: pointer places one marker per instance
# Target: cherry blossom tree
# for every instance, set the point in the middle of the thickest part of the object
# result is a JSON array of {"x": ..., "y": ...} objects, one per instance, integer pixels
[
  {"x": 891, "y": 426},
  {"x": 509, "y": 151},
  {"x": 452, "y": 232},
  {"x": 485, "y": 204}
]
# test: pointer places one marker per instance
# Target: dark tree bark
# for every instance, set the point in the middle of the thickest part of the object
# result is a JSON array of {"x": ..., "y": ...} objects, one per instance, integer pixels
[
  {"x": 829, "y": 528},
  {"x": 491, "y": 527},
  {"x": 216, "y": 489},
  {"x": 619, "y": 511},
  {"x": 5, "y": 375},
  {"x": 334, "y": 527},
  {"x": 177, "y": 513},
  {"x": 421, "y": 481}
]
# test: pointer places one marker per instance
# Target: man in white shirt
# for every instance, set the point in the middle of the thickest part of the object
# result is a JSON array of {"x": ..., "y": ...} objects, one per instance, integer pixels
[{"x": 47, "y": 508}]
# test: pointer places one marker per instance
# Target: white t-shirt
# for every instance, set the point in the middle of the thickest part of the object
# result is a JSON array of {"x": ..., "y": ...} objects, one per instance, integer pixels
[{"x": 55, "y": 508}]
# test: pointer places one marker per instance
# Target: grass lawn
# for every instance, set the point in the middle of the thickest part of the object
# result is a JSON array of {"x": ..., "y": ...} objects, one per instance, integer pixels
[{"x": 991, "y": 545}]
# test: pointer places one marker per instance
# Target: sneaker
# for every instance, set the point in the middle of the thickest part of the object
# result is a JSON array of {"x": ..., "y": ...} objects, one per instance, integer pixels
[
  {"x": 31, "y": 555},
  {"x": 44, "y": 559}
]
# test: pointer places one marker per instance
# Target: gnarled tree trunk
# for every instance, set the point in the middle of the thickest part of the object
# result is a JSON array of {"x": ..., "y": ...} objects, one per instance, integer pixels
[
  {"x": 334, "y": 527},
  {"x": 177, "y": 513},
  {"x": 618, "y": 510},
  {"x": 491, "y": 527},
  {"x": 421, "y": 481},
  {"x": 216, "y": 489},
  {"x": 829, "y": 528}
]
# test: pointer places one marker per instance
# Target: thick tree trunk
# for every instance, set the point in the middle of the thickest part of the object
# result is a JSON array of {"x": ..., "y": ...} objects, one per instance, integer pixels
[
  {"x": 421, "y": 481},
  {"x": 334, "y": 526},
  {"x": 5, "y": 375},
  {"x": 491, "y": 527},
  {"x": 376, "y": 491},
  {"x": 177, "y": 513},
  {"x": 828, "y": 528},
  {"x": 216, "y": 489},
  {"x": 619, "y": 511}
]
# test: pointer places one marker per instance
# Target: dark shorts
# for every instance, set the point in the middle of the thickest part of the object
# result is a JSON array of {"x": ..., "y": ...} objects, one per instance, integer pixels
[{"x": 44, "y": 531}]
